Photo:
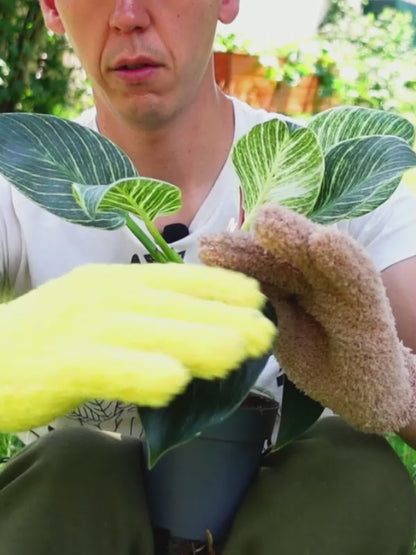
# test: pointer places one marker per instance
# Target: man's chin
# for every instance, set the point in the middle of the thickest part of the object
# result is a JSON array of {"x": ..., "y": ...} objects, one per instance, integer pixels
[
  {"x": 146, "y": 113},
  {"x": 142, "y": 111}
]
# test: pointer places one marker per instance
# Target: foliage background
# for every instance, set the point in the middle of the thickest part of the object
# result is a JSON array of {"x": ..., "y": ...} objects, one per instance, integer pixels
[
  {"x": 37, "y": 71},
  {"x": 374, "y": 57}
]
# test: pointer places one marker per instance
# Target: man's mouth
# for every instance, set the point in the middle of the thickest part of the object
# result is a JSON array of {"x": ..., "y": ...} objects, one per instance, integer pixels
[
  {"x": 135, "y": 64},
  {"x": 137, "y": 70}
]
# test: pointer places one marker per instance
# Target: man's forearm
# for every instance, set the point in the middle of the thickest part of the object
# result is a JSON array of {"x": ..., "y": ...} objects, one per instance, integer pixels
[{"x": 400, "y": 280}]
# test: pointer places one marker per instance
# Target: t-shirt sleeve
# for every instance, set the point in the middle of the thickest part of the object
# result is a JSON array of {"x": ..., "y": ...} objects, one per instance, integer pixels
[
  {"x": 10, "y": 236},
  {"x": 389, "y": 232}
]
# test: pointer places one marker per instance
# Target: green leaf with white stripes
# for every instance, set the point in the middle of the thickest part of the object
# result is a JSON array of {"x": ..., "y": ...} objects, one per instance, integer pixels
[
  {"x": 146, "y": 198},
  {"x": 361, "y": 174},
  {"x": 348, "y": 122},
  {"x": 42, "y": 156},
  {"x": 281, "y": 163}
]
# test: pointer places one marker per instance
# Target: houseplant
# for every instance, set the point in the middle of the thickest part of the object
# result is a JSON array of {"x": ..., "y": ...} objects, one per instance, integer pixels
[{"x": 322, "y": 170}]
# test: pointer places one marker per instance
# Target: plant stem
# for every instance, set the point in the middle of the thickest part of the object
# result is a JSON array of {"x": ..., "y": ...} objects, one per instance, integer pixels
[
  {"x": 154, "y": 252},
  {"x": 210, "y": 542},
  {"x": 246, "y": 225},
  {"x": 170, "y": 254}
]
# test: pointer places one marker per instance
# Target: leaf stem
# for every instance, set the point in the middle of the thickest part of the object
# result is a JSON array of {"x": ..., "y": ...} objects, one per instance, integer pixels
[
  {"x": 154, "y": 252},
  {"x": 170, "y": 254},
  {"x": 246, "y": 224}
]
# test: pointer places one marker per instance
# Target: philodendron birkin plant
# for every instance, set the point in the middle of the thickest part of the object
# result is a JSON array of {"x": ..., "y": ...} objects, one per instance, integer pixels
[{"x": 344, "y": 163}]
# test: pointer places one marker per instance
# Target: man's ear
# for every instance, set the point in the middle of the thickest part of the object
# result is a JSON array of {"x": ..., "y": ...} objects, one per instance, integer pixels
[
  {"x": 51, "y": 16},
  {"x": 228, "y": 10}
]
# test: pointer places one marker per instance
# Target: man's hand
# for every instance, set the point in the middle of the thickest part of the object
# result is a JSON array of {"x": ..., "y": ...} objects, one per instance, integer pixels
[
  {"x": 337, "y": 339},
  {"x": 134, "y": 333}
]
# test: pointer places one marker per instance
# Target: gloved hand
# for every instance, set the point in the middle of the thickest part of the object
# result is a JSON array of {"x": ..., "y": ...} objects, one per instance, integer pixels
[
  {"x": 337, "y": 339},
  {"x": 134, "y": 333}
]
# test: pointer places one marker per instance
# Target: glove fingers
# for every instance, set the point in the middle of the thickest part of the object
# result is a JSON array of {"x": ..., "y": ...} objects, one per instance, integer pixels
[
  {"x": 343, "y": 266},
  {"x": 35, "y": 406},
  {"x": 238, "y": 251},
  {"x": 286, "y": 234},
  {"x": 324, "y": 370},
  {"x": 194, "y": 280},
  {"x": 178, "y": 311},
  {"x": 301, "y": 347},
  {"x": 126, "y": 375},
  {"x": 351, "y": 290},
  {"x": 207, "y": 350},
  {"x": 89, "y": 372},
  {"x": 364, "y": 381}
]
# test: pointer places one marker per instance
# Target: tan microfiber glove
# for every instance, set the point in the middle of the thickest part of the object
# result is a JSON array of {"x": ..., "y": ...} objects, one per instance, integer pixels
[
  {"x": 133, "y": 333},
  {"x": 337, "y": 339}
]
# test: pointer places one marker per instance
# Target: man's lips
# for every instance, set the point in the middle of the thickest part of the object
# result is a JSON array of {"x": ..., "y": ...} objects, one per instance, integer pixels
[
  {"x": 136, "y": 69},
  {"x": 126, "y": 64}
]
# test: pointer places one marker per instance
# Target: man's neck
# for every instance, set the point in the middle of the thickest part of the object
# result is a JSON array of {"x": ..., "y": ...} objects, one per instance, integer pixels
[{"x": 189, "y": 151}]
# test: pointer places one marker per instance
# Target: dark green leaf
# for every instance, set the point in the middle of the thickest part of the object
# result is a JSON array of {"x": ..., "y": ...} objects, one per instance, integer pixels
[
  {"x": 298, "y": 414},
  {"x": 43, "y": 156},
  {"x": 348, "y": 122},
  {"x": 361, "y": 174},
  {"x": 203, "y": 404}
]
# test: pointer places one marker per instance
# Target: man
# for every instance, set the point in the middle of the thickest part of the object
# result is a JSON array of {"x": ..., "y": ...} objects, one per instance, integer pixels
[{"x": 334, "y": 492}]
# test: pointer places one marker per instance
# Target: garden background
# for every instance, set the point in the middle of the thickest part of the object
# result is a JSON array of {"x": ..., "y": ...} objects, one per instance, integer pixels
[{"x": 339, "y": 52}]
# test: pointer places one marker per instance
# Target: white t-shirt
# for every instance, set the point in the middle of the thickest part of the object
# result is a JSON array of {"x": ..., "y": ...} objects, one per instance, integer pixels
[{"x": 36, "y": 246}]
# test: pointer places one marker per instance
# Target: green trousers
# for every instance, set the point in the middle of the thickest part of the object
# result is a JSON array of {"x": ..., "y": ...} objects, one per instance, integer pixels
[{"x": 335, "y": 491}]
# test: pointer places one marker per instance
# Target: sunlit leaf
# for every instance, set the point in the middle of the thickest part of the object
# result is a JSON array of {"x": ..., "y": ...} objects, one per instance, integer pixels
[
  {"x": 280, "y": 163},
  {"x": 144, "y": 197}
]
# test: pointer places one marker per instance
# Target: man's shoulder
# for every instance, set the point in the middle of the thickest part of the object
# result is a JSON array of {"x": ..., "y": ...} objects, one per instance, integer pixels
[
  {"x": 246, "y": 117},
  {"x": 88, "y": 118}
]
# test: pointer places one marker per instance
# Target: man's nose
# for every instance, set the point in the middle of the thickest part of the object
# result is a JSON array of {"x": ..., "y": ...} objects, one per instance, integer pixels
[{"x": 128, "y": 15}]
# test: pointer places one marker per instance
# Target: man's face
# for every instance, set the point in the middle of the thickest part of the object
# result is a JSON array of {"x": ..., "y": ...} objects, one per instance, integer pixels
[{"x": 146, "y": 59}]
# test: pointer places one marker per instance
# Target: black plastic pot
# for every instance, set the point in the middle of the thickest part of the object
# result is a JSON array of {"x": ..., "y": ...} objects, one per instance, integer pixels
[{"x": 198, "y": 486}]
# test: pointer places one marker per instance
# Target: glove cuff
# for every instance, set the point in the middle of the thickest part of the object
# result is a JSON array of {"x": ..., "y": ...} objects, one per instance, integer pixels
[{"x": 410, "y": 364}]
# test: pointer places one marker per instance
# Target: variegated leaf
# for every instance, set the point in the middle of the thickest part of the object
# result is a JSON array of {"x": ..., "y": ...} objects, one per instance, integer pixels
[
  {"x": 360, "y": 175},
  {"x": 280, "y": 163},
  {"x": 348, "y": 122},
  {"x": 42, "y": 156},
  {"x": 146, "y": 198}
]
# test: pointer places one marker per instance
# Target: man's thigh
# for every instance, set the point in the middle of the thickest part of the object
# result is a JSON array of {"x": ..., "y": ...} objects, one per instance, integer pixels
[
  {"x": 335, "y": 491},
  {"x": 75, "y": 491}
]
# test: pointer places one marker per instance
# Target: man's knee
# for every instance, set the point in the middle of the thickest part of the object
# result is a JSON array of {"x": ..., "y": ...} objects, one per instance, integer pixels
[
  {"x": 335, "y": 490},
  {"x": 352, "y": 462},
  {"x": 70, "y": 450}
]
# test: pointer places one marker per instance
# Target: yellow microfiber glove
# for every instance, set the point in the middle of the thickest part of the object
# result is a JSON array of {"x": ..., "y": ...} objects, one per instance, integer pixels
[
  {"x": 337, "y": 339},
  {"x": 134, "y": 333}
]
